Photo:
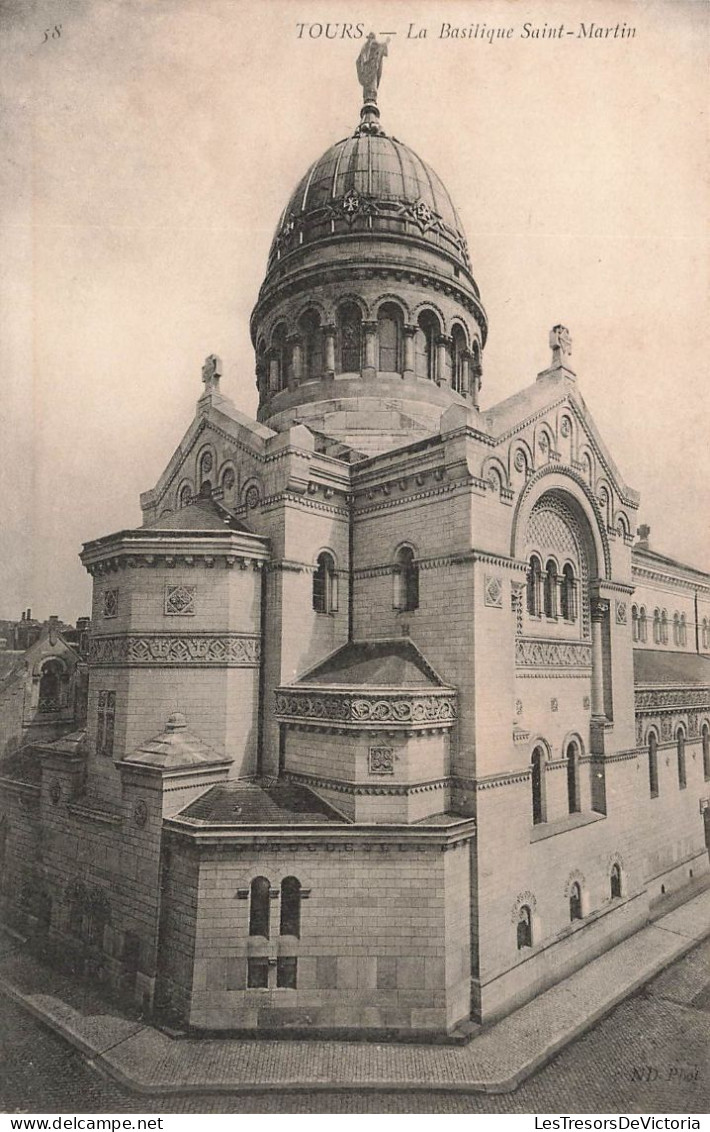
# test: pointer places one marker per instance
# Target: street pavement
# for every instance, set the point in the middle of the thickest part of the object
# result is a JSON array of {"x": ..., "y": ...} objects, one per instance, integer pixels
[{"x": 648, "y": 1055}]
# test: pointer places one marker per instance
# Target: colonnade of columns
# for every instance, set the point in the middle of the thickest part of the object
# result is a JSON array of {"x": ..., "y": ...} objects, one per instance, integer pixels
[{"x": 283, "y": 367}]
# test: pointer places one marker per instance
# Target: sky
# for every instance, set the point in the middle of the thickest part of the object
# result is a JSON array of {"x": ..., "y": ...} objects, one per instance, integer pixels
[{"x": 150, "y": 146}]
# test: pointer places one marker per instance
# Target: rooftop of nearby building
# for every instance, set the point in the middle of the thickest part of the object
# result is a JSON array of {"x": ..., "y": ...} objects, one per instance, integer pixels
[
  {"x": 654, "y": 667},
  {"x": 395, "y": 663}
]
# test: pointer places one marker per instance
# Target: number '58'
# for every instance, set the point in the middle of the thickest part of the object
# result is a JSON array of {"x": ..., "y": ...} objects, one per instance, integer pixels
[{"x": 53, "y": 33}]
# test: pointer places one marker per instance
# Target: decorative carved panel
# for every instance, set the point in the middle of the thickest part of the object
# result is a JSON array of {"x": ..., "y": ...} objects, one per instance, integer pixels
[
  {"x": 380, "y": 760},
  {"x": 180, "y": 600},
  {"x": 533, "y": 653}
]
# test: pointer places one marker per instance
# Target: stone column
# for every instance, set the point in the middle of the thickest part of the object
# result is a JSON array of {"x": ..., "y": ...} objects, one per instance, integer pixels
[
  {"x": 475, "y": 381},
  {"x": 296, "y": 374},
  {"x": 599, "y": 611},
  {"x": 442, "y": 342},
  {"x": 369, "y": 329},
  {"x": 466, "y": 374},
  {"x": 410, "y": 330},
  {"x": 262, "y": 372},
  {"x": 329, "y": 340},
  {"x": 273, "y": 374}
]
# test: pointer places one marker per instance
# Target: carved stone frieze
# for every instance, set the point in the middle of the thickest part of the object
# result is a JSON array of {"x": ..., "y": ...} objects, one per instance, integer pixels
[
  {"x": 651, "y": 699},
  {"x": 368, "y": 709},
  {"x": 158, "y": 649},
  {"x": 533, "y": 653}
]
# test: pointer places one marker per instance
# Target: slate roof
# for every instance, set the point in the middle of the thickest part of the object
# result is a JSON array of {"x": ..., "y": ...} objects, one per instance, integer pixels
[
  {"x": 174, "y": 748},
  {"x": 654, "y": 667},
  {"x": 265, "y": 802},
  {"x": 202, "y": 514},
  {"x": 395, "y": 663}
]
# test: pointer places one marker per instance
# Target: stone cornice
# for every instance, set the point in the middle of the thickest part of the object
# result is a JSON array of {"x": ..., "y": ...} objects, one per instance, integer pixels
[
  {"x": 138, "y": 549},
  {"x": 462, "y": 558},
  {"x": 335, "y": 837},
  {"x": 340, "y": 786},
  {"x": 666, "y": 578}
]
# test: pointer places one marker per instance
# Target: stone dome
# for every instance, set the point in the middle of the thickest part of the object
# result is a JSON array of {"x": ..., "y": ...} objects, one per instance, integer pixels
[
  {"x": 369, "y": 323},
  {"x": 369, "y": 184}
]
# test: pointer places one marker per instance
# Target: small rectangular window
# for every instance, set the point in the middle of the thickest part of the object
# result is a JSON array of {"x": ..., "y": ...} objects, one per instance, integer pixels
[
  {"x": 106, "y": 719},
  {"x": 257, "y": 972},
  {"x": 286, "y": 972}
]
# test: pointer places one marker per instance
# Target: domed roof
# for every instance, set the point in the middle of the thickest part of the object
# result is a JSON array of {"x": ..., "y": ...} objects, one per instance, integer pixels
[{"x": 370, "y": 183}]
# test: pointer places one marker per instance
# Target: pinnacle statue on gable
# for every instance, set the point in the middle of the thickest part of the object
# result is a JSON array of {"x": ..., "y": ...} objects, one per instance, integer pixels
[{"x": 369, "y": 73}]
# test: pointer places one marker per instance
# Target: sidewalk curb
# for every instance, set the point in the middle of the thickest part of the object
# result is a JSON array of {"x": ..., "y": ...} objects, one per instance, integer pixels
[{"x": 105, "y": 1064}]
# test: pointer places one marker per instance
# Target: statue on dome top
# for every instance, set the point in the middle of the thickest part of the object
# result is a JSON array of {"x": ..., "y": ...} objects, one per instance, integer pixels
[
  {"x": 560, "y": 344},
  {"x": 369, "y": 66}
]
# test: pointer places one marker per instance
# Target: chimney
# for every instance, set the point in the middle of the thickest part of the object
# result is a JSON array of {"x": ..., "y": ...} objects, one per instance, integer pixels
[
  {"x": 23, "y": 615},
  {"x": 643, "y": 532},
  {"x": 29, "y": 614}
]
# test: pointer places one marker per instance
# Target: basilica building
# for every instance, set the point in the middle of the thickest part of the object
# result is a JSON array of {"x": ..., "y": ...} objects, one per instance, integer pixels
[{"x": 393, "y": 721}]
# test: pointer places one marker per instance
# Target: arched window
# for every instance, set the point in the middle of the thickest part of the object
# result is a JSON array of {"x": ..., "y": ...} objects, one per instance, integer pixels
[
  {"x": 259, "y": 896},
  {"x": 524, "y": 929},
  {"x": 682, "y": 632},
  {"x": 706, "y": 634},
  {"x": 676, "y": 629},
  {"x": 572, "y": 757},
  {"x": 425, "y": 345},
  {"x": 643, "y": 625},
  {"x": 568, "y": 593},
  {"x": 185, "y": 495},
  {"x": 311, "y": 346},
  {"x": 389, "y": 331},
  {"x": 534, "y": 580},
  {"x": 204, "y": 471},
  {"x": 279, "y": 360},
  {"x": 406, "y": 580},
  {"x": 575, "y": 902},
  {"x": 538, "y": 785},
  {"x": 551, "y": 589},
  {"x": 349, "y": 325},
  {"x": 680, "y": 749},
  {"x": 653, "y": 765},
  {"x": 705, "y": 733},
  {"x": 656, "y": 626},
  {"x": 52, "y": 687},
  {"x": 290, "y": 907},
  {"x": 458, "y": 360},
  {"x": 615, "y": 882},
  {"x": 634, "y": 623},
  {"x": 325, "y": 584},
  {"x": 664, "y": 627},
  {"x": 262, "y": 370}
]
